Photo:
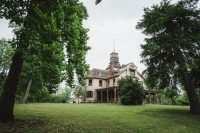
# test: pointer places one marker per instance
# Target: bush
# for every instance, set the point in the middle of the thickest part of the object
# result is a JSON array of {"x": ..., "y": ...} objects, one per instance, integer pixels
[
  {"x": 130, "y": 91},
  {"x": 56, "y": 99},
  {"x": 183, "y": 100}
]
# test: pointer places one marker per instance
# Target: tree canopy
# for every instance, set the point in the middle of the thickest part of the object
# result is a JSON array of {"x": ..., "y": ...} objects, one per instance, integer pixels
[
  {"x": 173, "y": 46},
  {"x": 42, "y": 30}
]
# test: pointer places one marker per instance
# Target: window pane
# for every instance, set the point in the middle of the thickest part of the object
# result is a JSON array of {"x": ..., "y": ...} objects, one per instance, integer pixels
[
  {"x": 90, "y": 82},
  {"x": 100, "y": 83},
  {"x": 89, "y": 94}
]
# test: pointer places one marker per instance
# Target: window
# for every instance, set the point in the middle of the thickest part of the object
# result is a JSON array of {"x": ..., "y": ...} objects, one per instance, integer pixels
[
  {"x": 132, "y": 73},
  {"x": 100, "y": 83},
  {"x": 89, "y": 94},
  {"x": 114, "y": 81},
  {"x": 108, "y": 83},
  {"x": 90, "y": 82}
]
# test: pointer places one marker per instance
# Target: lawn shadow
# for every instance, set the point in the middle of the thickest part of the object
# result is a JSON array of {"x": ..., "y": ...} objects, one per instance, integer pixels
[
  {"x": 166, "y": 112},
  {"x": 178, "y": 115},
  {"x": 23, "y": 125}
]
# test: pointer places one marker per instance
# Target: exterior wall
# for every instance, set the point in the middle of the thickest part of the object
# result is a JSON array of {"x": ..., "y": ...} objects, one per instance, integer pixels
[
  {"x": 110, "y": 82},
  {"x": 91, "y": 88},
  {"x": 95, "y": 85},
  {"x": 123, "y": 72}
]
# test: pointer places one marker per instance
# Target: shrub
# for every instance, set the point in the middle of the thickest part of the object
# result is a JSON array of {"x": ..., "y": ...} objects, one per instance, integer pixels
[
  {"x": 130, "y": 91},
  {"x": 56, "y": 99},
  {"x": 183, "y": 100}
]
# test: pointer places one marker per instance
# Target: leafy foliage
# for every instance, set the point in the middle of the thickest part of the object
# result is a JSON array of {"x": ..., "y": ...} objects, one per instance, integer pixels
[
  {"x": 75, "y": 36},
  {"x": 172, "y": 48},
  {"x": 43, "y": 29},
  {"x": 183, "y": 99},
  {"x": 44, "y": 57},
  {"x": 130, "y": 91},
  {"x": 6, "y": 53},
  {"x": 167, "y": 96}
]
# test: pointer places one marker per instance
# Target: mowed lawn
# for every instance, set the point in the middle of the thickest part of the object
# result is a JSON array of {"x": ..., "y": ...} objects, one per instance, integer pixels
[{"x": 101, "y": 118}]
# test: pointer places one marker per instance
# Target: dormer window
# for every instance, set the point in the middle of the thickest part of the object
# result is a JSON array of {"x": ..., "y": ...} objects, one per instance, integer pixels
[
  {"x": 132, "y": 66},
  {"x": 132, "y": 73}
]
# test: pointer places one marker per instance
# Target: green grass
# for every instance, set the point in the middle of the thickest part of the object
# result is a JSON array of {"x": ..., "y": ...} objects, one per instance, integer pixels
[{"x": 101, "y": 118}]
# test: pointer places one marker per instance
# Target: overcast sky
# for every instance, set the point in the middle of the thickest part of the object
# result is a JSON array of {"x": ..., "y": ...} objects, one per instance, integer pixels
[
  {"x": 111, "y": 20},
  {"x": 115, "y": 20}
]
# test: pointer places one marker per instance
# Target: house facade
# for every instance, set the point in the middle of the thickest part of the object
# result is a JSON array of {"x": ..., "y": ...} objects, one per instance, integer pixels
[{"x": 101, "y": 85}]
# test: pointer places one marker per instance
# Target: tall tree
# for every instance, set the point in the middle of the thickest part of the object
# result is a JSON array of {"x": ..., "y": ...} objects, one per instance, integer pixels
[
  {"x": 42, "y": 23},
  {"x": 76, "y": 36},
  {"x": 34, "y": 21},
  {"x": 173, "y": 45}
]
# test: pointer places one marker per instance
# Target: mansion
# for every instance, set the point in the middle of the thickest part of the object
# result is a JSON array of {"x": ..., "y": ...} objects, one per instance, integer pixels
[{"x": 101, "y": 85}]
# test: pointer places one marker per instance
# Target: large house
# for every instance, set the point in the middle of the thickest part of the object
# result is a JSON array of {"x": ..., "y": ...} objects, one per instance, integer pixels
[{"x": 102, "y": 84}]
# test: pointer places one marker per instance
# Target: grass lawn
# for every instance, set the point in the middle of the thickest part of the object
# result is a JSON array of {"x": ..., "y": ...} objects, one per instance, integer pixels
[{"x": 101, "y": 118}]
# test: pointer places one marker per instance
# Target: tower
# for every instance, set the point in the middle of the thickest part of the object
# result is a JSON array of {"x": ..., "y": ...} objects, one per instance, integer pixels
[{"x": 114, "y": 64}]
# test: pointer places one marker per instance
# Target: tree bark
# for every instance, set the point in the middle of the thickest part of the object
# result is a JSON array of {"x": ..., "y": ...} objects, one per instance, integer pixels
[
  {"x": 7, "y": 98},
  {"x": 27, "y": 91},
  {"x": 192, "y": 96}
]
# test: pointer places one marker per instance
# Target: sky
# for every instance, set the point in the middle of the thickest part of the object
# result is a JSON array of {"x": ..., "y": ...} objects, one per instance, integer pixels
[
  {"x": 113, "y": 22},
  {"x": 110, "y": 22}
]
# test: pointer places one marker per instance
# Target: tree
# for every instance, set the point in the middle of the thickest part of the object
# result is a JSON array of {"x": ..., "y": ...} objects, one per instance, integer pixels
[
  {"x": 171, "y": 93},
  {"x": 173, "y": 46},
  {"x": 78, "y": 91},
  {"x": 41, "y": 23},
  {"x": 6, "y": 53},
  {"x": 39, "y": 68},
  {"x": 183, "y": 99},
  {"x": 130, "y": 91},
  {"x": 43, "y": 68},
  {"x": 76, "y": 36}
]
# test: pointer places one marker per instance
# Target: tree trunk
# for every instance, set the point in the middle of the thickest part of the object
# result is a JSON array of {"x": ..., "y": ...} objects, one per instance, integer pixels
[
  {"x": 78, "y": 98},
  {"x": 173, "y": 101},
  {"x": 7, "y": 98},
  {"x": 27, "y": 91},
  {"x": 192, "y": 96}
]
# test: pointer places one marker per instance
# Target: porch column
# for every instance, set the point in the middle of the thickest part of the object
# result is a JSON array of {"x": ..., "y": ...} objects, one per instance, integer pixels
[
  {"x": 149, "y": 97},
  {"x": 107, "y": 96},
  {"x": 101, "y": 96},
  {"x": 115, "y": 96}
]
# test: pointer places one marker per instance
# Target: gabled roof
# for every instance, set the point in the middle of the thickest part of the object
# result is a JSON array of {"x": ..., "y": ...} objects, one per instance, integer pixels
[
  {"x": 98, "y": 73},
  {"x": 131, "y": 63}
]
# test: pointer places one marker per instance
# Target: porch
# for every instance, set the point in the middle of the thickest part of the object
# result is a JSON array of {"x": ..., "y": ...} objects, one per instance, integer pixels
[{"x": 107, "y": 95}]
